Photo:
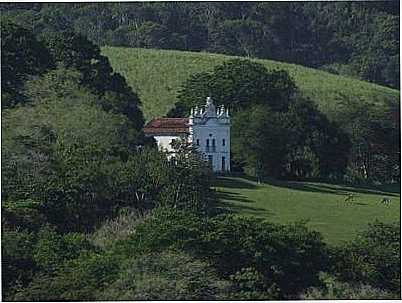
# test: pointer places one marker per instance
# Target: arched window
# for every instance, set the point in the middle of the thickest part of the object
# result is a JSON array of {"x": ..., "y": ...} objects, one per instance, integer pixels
[
  {"x": 213, "y": 142},
  {"x": 223, "y": 142},
  {"x": 198, "y": 142},
  {"x": 207, "y": 142}
]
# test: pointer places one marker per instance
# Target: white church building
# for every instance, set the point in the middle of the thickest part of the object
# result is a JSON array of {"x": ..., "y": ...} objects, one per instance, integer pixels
[{"x": 207, "y": 128}]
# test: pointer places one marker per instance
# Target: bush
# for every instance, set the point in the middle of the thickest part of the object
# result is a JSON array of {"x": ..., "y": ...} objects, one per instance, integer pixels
[
  {"x": 18, "y": 266},
  {"x": 289, "y": 257},
  {"x": 249, "y": 284},
  {"x": 75, "y": 280},
  {"x": 336, "y": 290},
  {"x": 166, "y": 276},
  {"x": 22, "y": 215},
  {"x": 373, "y": 258},
  {"x": 165, "y": 228},
  {"x": 52, "y": 249},
  {"x": 118, "y": 228},
  {"x": 286, "y": 256}
]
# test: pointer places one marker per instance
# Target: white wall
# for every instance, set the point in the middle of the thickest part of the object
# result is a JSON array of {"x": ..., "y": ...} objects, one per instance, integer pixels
[
  {"x": 218, "y": 132},
  {"x": 164, "y": 142},
  {"x": 211, "y": 123}
]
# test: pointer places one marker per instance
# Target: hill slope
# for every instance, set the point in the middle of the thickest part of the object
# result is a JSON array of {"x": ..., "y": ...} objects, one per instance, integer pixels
[
  {"x": 323, "y": 205},
  {"x": 157, "y": 74}
]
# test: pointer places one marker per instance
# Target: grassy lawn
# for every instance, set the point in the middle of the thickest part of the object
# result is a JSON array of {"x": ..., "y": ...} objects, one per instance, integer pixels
[
  {"x": 321, "y": 204},
  {"x": 156, "y": 75}
]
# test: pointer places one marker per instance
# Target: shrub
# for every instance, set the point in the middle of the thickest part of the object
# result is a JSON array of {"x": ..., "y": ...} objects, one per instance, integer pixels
[
  {"x": 165, "y": 228},
  {"x": 18, "y": 266},
  {"x": 52, "y": 249},
  {"x": 75, "y": 280},
  {"x": 118, "y": 228},
  {"x": 286, "y": 256},
  {"x": 336, "y": 290},
  {"x": 373, "y": 258},
  {"x": 167, "y": 275},
  {"x": 289, "y": 257},
  {"x": 22, "y": 214},
  {"x": 249, "y": 284}
]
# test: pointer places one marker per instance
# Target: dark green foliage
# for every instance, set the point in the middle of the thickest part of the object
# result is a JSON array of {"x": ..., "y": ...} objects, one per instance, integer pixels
[
  {"x": 237, "y": 84},
  {"x": 148, "y": 35},
  {"x": 18, "y": 265},
  {"x": 359, "y": 39},
  {"x": 166, "y": 276},
  {"x": 287, "y": 258},
  {"x": 240, "y": 37},
  {"x": 336, "y": 290},
  {"x": 52, "y": 249},
  {"x": 79, "y": 164},
  {"x": 190, "y": 181},
  {"x": 61, "y": 152},
  {"x": 260, "y": 141},
  {"x": 375, "y": 141},
  {"x": 28, "y": 57},
  {"x": 22, "y": 214},
  {"x": 22, "y": 56},
  {"x": 165, "y": 228},
  {"x": 75, "y": 280},
  {"x": 372, "y": 258},
  {"x": 249, "y": 284},
  {"x": 149, "y": 179},
  {"x": 75, "y": 51},
  {"x": 316, "y": 147}
]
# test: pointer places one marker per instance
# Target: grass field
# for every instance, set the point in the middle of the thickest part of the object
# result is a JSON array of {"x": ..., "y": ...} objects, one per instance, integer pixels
[
  {"x": 323, "y": 205},
  {"x": 156, "y": 76}
]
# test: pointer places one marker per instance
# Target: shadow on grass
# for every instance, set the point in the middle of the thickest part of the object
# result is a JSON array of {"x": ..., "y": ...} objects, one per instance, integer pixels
[
  {"x": 340, "y": 189},
  {"x": 234, "y": 183},
  {"x": 229, "y": 203}
]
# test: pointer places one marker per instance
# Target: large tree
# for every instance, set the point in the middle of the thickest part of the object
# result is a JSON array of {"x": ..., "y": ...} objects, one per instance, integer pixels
[
  {"x": 237, "y": 84},
  {"x": 22, "y": 56},
  {"x": 259, "y": 141},
  {"x": 59, "y": 152},
  {"x": 75, "y": 51}
]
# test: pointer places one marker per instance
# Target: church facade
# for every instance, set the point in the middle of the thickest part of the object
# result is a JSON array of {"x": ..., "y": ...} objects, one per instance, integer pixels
[{"x": 207, "y": 128}]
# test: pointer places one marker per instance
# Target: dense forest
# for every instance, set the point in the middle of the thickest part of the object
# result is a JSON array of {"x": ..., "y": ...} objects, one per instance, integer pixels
[
  {"x": 91, "y": 210},
  {"x": 358, "y": 39}
]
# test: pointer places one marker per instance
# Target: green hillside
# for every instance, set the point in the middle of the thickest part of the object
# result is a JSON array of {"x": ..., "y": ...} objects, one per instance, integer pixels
[
  {"x": 157, "y": 74},
  {"x": 323, "y": 205}
]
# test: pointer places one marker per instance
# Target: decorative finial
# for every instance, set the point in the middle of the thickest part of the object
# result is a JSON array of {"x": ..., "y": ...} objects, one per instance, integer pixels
[{"x": 209, "y": 100}]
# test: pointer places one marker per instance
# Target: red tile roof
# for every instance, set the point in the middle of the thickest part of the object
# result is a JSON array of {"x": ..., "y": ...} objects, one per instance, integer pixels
[{"x": 166, "y": 126}]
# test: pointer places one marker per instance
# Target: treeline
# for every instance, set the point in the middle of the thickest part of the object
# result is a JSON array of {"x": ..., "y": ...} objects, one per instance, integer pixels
[{"x": 358, "y": 39}]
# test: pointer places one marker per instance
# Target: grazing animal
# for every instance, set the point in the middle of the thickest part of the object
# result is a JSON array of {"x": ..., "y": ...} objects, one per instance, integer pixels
[
  {"x": 350, "y": 198},
  {"x": 386, "y": 201}
]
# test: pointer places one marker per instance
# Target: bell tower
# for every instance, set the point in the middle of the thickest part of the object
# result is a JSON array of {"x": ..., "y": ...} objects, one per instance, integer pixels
[{"x": 209, "y": 132}]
